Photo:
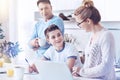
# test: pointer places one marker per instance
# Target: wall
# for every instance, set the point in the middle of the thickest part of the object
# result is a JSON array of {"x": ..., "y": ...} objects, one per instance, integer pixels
[
  {"x": 26, "y": 24},
  {"x": 112, "y": 10},
  {"x": 13, "y": 22},
  {"x": 4, "y": 18},
  {"x": 21, "y": 23},
  {"x": 108, "y": 9},
  {"x": 65, "y": 4}
]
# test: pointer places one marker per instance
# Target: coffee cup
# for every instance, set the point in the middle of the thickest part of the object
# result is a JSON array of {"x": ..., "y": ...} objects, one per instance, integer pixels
[
  {"x": 18, "y": 73},
  {"x": 42, "y": 42}
]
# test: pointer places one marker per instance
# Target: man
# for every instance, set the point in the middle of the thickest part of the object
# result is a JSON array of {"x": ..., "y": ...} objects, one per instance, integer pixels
[{"x": 38, "y": 36}]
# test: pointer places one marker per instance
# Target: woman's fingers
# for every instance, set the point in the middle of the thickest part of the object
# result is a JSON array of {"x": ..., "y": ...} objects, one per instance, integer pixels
[
  {"x": 75, "y": 71},
  {"x": 75, "y": 74}
]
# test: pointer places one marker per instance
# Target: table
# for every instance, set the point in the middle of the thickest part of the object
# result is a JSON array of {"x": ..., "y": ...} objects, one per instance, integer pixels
[
  {"x": 117, "y": 73},
  {"x": 35, "y": 77},
  {"x": 29, "y": 76},
  {"x": 26, "y": 77}
]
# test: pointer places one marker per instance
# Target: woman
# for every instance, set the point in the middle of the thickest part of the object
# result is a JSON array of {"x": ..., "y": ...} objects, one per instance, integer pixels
[{"x": 100, "y": 51}]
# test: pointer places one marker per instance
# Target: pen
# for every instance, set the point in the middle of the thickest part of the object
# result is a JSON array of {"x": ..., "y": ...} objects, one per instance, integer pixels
[
  {"x": 2, "y": 72},
  {"x": 27, "y": 61},
  {"x": 33, "y": 67}
]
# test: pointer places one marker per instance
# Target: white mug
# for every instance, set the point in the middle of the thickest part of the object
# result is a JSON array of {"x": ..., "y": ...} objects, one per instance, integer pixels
[
  {"x": 18, "y": 73},
  {"x": 42, "y": 42}
]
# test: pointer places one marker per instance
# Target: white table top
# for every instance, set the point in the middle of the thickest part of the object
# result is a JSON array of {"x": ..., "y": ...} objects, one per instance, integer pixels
[
  {"x": 26, "y": 77},
  {"x": 35, "y": 77},
  {"x": 29, "y": 76}
]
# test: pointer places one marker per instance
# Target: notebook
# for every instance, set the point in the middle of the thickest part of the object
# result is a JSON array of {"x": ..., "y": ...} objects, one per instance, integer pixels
[{"x": 53, "y": 71}]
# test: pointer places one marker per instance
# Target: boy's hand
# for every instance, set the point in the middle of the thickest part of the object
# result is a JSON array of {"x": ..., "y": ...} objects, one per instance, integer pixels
[{"x": 33, "y": 68}]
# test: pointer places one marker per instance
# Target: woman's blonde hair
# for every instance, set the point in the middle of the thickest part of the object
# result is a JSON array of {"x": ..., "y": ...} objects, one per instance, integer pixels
[
  {"x": 87, "y": 3},
  {"x": 87, "y": 10}
]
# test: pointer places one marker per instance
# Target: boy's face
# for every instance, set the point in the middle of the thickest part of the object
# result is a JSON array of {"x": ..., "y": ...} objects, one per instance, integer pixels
[
  {"x": 56, "y": 38},
  {"x": 45, "y": 10}
]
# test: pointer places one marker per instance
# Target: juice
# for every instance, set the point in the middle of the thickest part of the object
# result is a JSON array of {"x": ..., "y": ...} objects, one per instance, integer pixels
[
  {"x": 1, "y": 63},
  {"x": 10, "y": 72}
]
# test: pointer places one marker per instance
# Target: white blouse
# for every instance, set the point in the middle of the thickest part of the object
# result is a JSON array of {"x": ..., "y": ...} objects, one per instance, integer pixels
[{"x": 99, "y": 57}]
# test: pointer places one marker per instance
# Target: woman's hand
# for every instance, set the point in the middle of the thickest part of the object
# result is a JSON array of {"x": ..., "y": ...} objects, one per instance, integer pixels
[{"x": 75, "y": 71}]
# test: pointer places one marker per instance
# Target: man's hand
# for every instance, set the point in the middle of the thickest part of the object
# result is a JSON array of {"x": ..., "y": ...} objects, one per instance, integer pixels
[{"x": 35, "y": 44}]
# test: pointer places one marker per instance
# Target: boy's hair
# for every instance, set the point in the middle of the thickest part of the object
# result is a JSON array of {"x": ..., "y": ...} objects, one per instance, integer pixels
[
  {"x": 52, "y": 27},
  {"x": 43, "y": 1}
]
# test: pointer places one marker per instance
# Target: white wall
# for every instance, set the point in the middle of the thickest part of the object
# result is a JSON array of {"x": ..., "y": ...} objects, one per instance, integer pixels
[
  {"x": 112, "y": 10},
  {"x": 65, "y": 4},
  {"x": 109, "y": 9},
  {"x": 25, "y": 24},
  {"x": 21, "y": 17},
  {"x": 4, "y": 18},
  {"x": 13, "y": 26}
]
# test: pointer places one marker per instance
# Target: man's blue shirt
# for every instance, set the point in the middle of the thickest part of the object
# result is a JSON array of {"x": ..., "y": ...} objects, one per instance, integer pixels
[{"x": 40, "y": 27}]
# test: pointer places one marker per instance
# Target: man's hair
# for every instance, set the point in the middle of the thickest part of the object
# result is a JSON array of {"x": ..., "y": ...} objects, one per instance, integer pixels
[{"x": 43, "y": 1}]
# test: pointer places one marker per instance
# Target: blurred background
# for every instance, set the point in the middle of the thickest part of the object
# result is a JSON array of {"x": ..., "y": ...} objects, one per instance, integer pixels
[{"x": 17, "y": 19}]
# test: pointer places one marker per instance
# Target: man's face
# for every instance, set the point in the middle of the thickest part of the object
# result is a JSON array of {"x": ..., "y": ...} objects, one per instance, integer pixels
[{"x": 45, "y": 10}]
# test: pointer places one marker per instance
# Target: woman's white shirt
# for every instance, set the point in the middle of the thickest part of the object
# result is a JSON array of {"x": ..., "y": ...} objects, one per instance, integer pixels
[{"x": 99, "y": 57}]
